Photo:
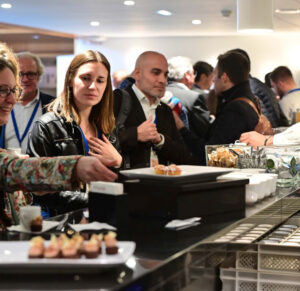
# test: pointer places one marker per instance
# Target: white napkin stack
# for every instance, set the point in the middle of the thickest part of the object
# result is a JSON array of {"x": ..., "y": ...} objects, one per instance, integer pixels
[
  {"x": 183, "y": 223},
  {"x": 92, "y": 226}
]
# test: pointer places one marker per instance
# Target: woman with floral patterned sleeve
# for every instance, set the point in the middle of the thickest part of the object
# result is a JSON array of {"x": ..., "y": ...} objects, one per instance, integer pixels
[{"x": 36, "y": 174}]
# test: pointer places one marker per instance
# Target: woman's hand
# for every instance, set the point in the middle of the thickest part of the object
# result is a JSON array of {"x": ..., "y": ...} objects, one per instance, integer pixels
[{"x": 104, "y": 149}]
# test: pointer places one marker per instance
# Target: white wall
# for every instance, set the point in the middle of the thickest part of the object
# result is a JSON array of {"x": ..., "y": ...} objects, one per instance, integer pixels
[{"x": 266, "y": 51}]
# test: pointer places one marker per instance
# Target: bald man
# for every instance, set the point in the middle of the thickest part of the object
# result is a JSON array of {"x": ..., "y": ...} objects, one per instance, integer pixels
[{"x": 149, "y": 135}]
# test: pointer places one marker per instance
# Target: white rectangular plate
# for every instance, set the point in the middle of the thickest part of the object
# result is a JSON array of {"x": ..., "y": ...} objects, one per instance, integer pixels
[
  {"x": 195, "y": 172},
  {"x": 47, "y": 225},
  {"x": 15, "y": 253}
]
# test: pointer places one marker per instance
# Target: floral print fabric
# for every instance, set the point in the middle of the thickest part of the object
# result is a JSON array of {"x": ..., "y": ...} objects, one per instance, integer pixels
[{"x": 32, "y": 174}]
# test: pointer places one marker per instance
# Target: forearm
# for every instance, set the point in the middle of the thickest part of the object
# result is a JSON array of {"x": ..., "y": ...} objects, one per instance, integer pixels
[{"x": 37, "y": 174}]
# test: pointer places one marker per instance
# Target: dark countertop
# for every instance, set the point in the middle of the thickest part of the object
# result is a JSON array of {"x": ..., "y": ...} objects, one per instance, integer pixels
[{"x": 161, "y": 258}]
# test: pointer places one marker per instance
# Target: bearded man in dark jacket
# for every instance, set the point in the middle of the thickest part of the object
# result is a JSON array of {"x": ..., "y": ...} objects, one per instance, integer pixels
[{"x": 233, "y": 117}]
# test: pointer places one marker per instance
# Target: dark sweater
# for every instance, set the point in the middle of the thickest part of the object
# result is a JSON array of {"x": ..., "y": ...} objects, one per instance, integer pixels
[{"x": 232, "y": 119}]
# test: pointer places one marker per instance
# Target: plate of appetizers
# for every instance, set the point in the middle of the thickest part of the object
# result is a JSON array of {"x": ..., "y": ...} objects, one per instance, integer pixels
[
  {"x": 176, "y": 173},
  {"x": 98, "y": 251}
]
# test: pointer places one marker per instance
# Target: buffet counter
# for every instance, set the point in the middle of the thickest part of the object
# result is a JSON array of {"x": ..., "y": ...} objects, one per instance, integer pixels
[{"x": 164, "y": 259}]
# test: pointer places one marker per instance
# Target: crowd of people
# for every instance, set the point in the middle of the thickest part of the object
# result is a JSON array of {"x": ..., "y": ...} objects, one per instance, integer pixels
[{"x": 164, "y": 112}]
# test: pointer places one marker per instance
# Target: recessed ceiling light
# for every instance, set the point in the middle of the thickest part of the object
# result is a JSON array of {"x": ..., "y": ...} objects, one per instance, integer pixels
[
  {"x": 94, "y": 23},
  {"x": 35, "y": 36},
  {"x": 129, "y": 2},
  {"x": 196, "y": 21},
  {"x": 164, "y": 12},
  {"x": 287, "y": 11},
  {"x": 6, "y": 5}
]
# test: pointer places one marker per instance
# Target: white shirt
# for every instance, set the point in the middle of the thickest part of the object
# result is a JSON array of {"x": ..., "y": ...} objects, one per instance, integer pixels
[
  {"x": 22, "y": 114},
  {"x": 288, "y": 137},
  {"x": 289, "y": 104},
  {"x": 149, "y": 110}
]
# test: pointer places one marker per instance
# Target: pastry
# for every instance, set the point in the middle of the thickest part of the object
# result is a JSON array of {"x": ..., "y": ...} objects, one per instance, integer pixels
[
  {"x": 171, "y": 170},
  {"x": 36, "y": 224},
  {"x": 53, "y": 250},
  {"x": 160, "y": 170},
  {"x": 36, "y": 250},
  {"x": 111, "y": 243},
  {"x": 93, "y": 247}
]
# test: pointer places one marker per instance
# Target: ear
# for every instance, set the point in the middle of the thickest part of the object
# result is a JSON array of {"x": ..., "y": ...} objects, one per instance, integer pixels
[
  {"x": 225, "y": 78},
  {"x": 137, "y": 74}
]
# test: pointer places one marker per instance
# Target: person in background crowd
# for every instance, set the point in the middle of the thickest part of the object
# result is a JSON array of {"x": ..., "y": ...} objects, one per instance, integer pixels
[
  {"x": 285, "y": 86},
  {"x": 233, "y": 116},
  {"x": 117, "y": 77},
  {"x": 30, "y": 106},
  {"x": 149, "y": 135},
  {"x": 203, "y": 77},
  {"x": 180, "y": 82},
  {"x": 290, "y": 136},
  {"x": 267, "y": 98},
  {"x": 80, "y": 121},
  {"x": 36, "y": 174}
]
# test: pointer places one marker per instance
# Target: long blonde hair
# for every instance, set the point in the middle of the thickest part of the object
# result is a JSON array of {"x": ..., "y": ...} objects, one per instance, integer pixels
[{"x": 102, "y": 113}]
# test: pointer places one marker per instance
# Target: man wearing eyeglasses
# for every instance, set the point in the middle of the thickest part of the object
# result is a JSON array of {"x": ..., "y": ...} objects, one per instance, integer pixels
[{"x": 31, "y": 104}]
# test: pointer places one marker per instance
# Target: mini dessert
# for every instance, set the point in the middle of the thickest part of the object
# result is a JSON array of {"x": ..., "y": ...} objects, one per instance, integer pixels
[
  {"x": 53, "y": 250},
  {"x": 70, "y": 249},
  {"x": 111, "y": 243},
  {"x": 36, "y": 224},
  {"x": 161, "y": 170},
  {"x": 93, "y": 247},
  {"x": 171, "y": 170},
  {"x": 36, "y": 250}
]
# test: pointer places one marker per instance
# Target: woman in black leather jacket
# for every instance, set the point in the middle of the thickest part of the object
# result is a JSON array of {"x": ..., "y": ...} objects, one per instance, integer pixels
[{"x": 79, "y": 121}]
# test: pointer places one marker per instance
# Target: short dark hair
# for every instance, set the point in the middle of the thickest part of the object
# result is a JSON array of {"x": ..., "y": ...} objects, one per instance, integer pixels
[
  {"x": 202, "y": 68},
  {"x": 235, "y": 65},
  {"x": 244, "y": 53},
  {"x": 281, "y": 73}
]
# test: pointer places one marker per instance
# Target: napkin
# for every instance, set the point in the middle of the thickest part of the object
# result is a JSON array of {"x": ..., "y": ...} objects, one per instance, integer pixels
[
  {"x": 183, "y": 223},
  {"x": 91, "y": 226}
]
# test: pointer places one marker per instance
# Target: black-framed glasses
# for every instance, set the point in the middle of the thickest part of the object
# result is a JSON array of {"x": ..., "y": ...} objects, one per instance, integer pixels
[
  {"x": 29, "y": 75},
  {"x": 5, "y": 91}
]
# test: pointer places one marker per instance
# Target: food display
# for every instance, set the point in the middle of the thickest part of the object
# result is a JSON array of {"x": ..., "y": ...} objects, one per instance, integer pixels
[
  {"x": 171, "y": 170},
  {"x": 73, "y": 248},
  {"x": 226, "y": 155},
  {"x": 223, "y": 157}
]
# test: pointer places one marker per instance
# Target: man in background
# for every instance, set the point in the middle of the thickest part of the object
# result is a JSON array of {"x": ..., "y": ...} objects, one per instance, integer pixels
[
  {"x": 203, "y": 77},
  {"x": 181, "y": 80},
  {"x": 285, "y": 86},
  {"x": 31, "y": 105},
  {"x": 269, "y": 105},
  {"x": 148, "y": 135}
]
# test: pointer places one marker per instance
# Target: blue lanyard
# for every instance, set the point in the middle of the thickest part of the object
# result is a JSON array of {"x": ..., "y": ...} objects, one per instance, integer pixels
[
  {"x": 86, "y": 144},
  {"x": 2, "y": 137},
  {"x": 20, "y": 139},
  {"x": 293, "y": 90}
]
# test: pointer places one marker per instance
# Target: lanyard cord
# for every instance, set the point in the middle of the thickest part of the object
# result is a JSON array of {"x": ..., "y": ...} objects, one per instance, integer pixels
[{"x": 20, "y": 139}]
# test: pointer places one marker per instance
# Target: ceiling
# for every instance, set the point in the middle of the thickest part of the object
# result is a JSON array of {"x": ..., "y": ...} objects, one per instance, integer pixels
[{"x": 71, "y": 18}]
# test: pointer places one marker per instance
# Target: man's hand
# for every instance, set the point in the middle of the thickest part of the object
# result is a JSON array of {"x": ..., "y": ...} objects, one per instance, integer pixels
[
  {"x": 147, "y": 131},
  {"x": 178, "y": 122},
  {"x": 90, "y": 169},
  {"x": 253, "y": 138}
]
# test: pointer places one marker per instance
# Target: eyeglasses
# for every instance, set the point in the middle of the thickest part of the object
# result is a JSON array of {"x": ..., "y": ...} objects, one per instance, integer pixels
[
  {"x": 5, "y": 91},
  {"x": 29, "y": 75}
]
